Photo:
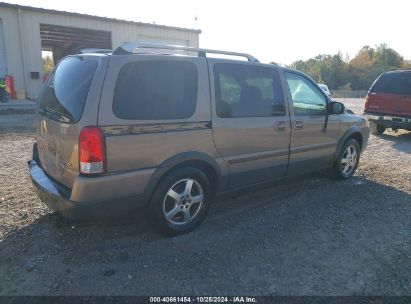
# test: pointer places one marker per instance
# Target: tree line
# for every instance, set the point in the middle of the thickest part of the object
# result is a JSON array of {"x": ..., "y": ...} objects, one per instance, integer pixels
[{"x": 357, "y": 73}]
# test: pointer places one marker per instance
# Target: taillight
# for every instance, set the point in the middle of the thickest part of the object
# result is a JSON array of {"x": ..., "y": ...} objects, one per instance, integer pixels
[
  {"x": 92, "y": 152},
  {"x": 367, "y": 102}
]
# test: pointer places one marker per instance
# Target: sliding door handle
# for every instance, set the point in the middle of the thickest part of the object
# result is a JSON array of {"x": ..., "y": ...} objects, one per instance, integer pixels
[
  {"x": 280, "y": 125},
  {"x": 299, "y": 124}
]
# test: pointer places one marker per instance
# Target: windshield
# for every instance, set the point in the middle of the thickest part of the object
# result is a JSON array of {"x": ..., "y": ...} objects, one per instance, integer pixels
[{"x": 64, "y": 95}]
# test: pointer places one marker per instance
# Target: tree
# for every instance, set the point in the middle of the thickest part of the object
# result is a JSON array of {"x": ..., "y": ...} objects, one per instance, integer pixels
[
  {"x": 48, "y": 64},
  {"x": 369, "y": 63},
  {"x": 388, "y": 57},
  {"x": 324, "y": 69},
  {"x": 357, "y": 73}
]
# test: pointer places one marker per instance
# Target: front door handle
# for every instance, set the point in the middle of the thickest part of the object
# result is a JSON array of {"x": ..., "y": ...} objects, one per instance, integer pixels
[
  {"x": 280, "y": 125},
  {"x": 299, "y": 124}
]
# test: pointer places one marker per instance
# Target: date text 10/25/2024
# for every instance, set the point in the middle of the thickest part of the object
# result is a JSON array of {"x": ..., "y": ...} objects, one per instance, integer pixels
[{"x": 205, "y": 299}]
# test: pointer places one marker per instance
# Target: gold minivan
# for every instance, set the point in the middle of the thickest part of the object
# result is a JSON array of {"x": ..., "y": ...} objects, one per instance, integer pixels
[{"x": 167, "y": 128}]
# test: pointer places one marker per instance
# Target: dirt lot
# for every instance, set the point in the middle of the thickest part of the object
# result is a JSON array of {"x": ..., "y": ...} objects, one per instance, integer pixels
[{"x": 306, "y": 236}]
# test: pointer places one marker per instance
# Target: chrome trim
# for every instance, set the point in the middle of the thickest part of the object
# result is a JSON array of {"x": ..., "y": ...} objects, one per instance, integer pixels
[
  {"x": 154, "y": 128},
  {"x": 395, "y": 119}
]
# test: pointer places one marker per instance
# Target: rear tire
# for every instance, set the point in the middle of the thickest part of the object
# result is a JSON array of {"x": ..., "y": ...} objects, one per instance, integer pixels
[
  {"x": 375, "y": 128},
  {"x": 180, "y": 202},
  {"x": 347, "y": 162}
]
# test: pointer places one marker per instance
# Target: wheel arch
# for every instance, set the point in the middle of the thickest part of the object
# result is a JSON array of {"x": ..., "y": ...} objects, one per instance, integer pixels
[
  {"x": 199, "y": 160},
  {"x": 353, "y": 133}
]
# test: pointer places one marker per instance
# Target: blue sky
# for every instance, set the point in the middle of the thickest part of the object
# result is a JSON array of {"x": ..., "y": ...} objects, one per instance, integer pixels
[{"x": 281, "y": 31}]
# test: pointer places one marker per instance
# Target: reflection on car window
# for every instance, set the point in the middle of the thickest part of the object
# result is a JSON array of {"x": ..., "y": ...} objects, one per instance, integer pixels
[
  {"x": 247, "y": 91},
  {"x": 393, "y": 83},
  {"x": 151, "y": 90},
  {"x": 64, "y": 95},
  {"x": 307, "y": 99}
]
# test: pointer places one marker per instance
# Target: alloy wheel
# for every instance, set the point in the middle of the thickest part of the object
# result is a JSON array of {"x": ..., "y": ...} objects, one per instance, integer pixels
[
  {"x": 348, "y": 160},
  {"x": 183, "y": 201}
]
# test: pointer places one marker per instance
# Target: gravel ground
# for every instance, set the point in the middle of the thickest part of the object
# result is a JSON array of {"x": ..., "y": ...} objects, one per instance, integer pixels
[{"x": 306, "y": 236}]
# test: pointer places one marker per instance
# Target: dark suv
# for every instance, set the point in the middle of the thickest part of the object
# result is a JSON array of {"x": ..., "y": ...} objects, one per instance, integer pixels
[{"x": 388, "y": 103}]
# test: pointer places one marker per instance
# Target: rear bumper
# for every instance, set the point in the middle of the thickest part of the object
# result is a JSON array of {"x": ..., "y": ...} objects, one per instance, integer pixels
[
  {"x": 389, "y": 121},
  {"x": 57, "y": 198}
]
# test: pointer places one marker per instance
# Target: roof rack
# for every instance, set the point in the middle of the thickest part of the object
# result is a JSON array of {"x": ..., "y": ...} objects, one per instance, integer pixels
[
  {"x": 135, "y": 48},
  {"x": 401, "y": 69},
  {"x": 95, "y": 51}
]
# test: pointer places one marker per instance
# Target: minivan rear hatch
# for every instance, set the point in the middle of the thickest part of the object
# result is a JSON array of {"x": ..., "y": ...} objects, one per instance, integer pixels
[
  {"x": 67, "y": 103},
  {"x": 391, "y": 94}
]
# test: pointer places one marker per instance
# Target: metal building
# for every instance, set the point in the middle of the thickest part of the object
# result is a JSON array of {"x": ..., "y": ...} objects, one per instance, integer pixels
[{"x": 27, "y": 31}]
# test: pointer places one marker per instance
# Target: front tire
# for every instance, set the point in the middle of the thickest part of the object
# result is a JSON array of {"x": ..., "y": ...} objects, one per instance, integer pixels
[
  {"x": 347, "y": 161},
  {"x": 180, "y": 202},
  {"x": 376, "y": 129}
]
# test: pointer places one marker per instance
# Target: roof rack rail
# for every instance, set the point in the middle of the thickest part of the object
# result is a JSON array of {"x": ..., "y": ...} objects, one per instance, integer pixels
[
  {"x": 94, "y": 51},
  {"x": 401, "y": 69},
  {"x": 132, "y": 48}
]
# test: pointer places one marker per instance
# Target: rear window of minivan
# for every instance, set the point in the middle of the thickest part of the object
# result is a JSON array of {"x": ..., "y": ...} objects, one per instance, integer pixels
[
  {"x": 393, "y": 83},
  {"x": 65, "y": 93},
  {"x": 151, "y": 90}
]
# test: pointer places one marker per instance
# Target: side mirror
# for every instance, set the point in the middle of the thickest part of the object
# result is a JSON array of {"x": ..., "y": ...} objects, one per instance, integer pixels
[{"x": 335, "y": 107}]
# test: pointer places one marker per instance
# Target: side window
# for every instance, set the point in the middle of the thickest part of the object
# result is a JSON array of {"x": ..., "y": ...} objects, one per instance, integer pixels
[
  {"x": 307, "y": 98},
  {"x": 247, "y": 91},
  {"x": 65, "y": 94},
  {"x": 150, "y": 90}
]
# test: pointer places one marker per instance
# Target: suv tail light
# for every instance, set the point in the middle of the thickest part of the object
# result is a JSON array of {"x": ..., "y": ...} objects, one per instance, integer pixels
[
  {"x": 92, "y": 154},
  {"x": 367, "y": 102}
]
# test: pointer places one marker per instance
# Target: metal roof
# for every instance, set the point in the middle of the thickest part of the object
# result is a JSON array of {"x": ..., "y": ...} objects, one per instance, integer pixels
[{"x": 51, "y": 11}]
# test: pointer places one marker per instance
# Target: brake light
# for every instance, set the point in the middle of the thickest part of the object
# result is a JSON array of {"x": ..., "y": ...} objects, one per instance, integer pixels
[
  {"x": 367, "y": 102},
  {"x": 92, "y": 152}
]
